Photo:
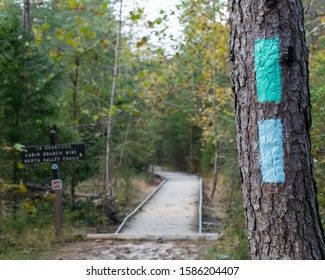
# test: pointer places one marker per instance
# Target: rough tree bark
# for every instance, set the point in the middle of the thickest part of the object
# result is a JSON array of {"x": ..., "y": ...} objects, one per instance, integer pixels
[{"x": 269, "y": 61}]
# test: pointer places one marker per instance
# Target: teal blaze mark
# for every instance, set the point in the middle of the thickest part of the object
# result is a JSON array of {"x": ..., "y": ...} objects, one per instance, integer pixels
[
  {"x": 271, "y": 151},
  {"x": 268, "y": 70}
]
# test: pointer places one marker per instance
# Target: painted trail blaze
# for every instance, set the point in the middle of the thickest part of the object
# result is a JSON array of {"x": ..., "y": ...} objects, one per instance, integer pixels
[
  {"x": 271, "y": 151},
  {"x": 268, "y": 71}
]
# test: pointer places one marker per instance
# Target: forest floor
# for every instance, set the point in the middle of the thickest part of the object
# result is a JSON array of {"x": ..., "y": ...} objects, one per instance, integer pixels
[{"x": 213, "y": 215}]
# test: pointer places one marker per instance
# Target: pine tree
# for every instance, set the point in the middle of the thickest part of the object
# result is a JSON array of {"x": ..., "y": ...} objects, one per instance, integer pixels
[{"x": 269, "y": 61}]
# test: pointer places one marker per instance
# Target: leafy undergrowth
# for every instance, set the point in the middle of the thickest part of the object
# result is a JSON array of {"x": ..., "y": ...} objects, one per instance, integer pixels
[
  {"x": 29, "y": 231},
  {"x": 225, "y": 208},
  {"x": 27, "y": 228},
  {"x": 233, "y": 243}
]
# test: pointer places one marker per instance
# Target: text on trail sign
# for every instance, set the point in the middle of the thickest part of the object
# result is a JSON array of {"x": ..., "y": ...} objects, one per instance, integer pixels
[{"x": 53, "y": 153}]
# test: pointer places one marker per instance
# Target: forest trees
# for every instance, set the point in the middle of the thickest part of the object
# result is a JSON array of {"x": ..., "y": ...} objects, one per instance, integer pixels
[
  {"x": 26, "y": 96},
  {"x": 172, "y": 106},
  {"x": 268, "y": 56}
]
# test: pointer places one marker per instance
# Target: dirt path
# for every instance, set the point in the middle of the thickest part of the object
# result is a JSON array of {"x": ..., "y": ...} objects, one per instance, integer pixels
[{"x": 134, "y": 250}]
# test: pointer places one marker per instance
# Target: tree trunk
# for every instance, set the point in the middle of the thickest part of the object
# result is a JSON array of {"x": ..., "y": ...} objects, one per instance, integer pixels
[
  {"x": 269, "y": 61},
  {"x": 215, "y": 104},
  {"x": 215, "y": 168},
  {"x": 124, "y": 142},
  {"x": 190, "y": 168},
  {"x": 108, "y": 176},
  {"x": 27, "y": 26},
  {"x": 75, "y": 91}
]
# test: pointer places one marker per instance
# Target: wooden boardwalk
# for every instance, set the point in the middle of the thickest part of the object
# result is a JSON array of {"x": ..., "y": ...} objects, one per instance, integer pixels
[{"x": 172, "y": 211}]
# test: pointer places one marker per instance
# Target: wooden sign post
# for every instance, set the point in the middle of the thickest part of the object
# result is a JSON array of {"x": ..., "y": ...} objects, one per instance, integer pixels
[
  {"x": 53, "y": 154},
  {"x": 58, "y": 191}
]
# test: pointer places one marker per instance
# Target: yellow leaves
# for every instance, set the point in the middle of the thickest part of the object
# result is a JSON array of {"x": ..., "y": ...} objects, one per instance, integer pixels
[
  {"x": 28, "y": 206},
  {"x": 80, "y": 20},
  {"x": 136, "y": 15},
  {"x": 84, "y": 29},
  {"x": 38, "y": 39},
  {"x": 20, "y": 165},
  {"x": 143, "y": 41},
  {"x": 75, "y": 122},
  {"x": 229, "y": 114},
  {"x": 73, "y": 39},
  {"x": 322, "y": 19},
  {"x": 98, "y": 13},
  {"x": 75, "y": 4},
  {"x": 104, "y": 43},
  {"x": 104, "y": 6},
  {"x": 39, "y": 31},
  {"x": 88, "y": 34},
  {"x": 91, "y": 35},
  {"x": 59, "y": 34},
  {"x": 21, "y": 187},
  {"x": 72, "y": 5},
  {"x": 56, "y": 54},
  {"x": 49, "y": 196},
  {"x": 52, "y": 52},
  {"x": 13, "y": 188},
  {"x": 73, "y": 43},
  {"x": 207, "y": 134},
  {"x": 29, "y": 52},
  {"x": 45, "y": 27},
  {"x": 112, "y": 110}
]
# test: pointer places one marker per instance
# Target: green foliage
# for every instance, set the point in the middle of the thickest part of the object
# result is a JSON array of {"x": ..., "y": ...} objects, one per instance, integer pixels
[
  {"x": 27, "y": 230},
  {"x": 233, "y": 243},
  {"x": 27, "y": 81},
  {"x": 84, "y": 214},
  {"x": 316, "y": 42}
]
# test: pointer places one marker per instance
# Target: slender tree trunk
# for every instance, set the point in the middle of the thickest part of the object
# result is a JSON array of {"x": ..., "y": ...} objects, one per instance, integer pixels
[
  {"x": 215, "y": 104},
  {"x": 124, "y": 143},
  {"x": 269, "y": 61},
  {"x": 108, "y": 175},
  {"x": 27, "y": 26},
  {"x": 215, "y": 168},
  {"x": 75, "y": 81},
  {"x": 75, "y": 92},
  {"x": 190, "y": 166}
]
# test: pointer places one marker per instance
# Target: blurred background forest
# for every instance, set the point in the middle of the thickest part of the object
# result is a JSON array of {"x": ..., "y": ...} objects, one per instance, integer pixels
[{"x": 108, "y": 81}]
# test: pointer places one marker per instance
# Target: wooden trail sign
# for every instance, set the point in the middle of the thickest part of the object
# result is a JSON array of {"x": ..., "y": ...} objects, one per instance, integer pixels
[{"x": 53, "y": 153}]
